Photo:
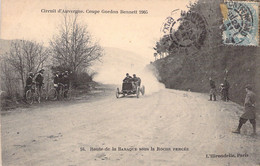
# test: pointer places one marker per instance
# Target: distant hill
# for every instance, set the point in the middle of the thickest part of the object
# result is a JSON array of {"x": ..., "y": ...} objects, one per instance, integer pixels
[
  {"x": 116, "y": 63},
  {"x": 5, "y": 45}
]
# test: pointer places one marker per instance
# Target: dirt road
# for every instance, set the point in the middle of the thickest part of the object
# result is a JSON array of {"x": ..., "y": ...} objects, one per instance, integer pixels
[{"x": 184, "y": 128}]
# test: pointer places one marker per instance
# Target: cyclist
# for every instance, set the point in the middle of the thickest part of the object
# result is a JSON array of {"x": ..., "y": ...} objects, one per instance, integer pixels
[
  {"x": 29, "y": 82},
  {"x": 60, "y": 79},
  {"x": 39, "y": 79},
  {"x": 56, "y": 81},
  {"x": 66, "y": 78},
  {"x": 65, "y": 82},
  {"x": 39, "y": 82},
  {"x": 60, "y": 83}
]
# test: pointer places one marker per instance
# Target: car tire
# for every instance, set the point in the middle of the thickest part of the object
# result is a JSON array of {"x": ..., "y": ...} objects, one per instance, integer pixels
[{"x": 117, "y": 93}]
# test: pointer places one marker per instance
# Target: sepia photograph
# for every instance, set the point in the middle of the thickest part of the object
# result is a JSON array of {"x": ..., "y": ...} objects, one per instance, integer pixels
[{"x": 132, "y": 82}]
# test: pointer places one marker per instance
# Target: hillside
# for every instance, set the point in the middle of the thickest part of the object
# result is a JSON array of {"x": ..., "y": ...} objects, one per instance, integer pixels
[{"x": 189, "y": 68}]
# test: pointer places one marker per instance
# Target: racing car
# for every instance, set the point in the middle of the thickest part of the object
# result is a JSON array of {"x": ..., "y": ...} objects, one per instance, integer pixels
[{"x": 129, "y": 88}]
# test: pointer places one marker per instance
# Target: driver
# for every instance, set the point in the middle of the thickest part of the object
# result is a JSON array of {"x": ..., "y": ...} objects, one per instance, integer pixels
[
  {"x": 136, "y": 80},
  {"x": 127, "y": 79}
]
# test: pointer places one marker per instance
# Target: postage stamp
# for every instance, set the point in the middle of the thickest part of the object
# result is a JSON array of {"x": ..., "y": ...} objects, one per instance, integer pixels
[{"x": 240, "y": 23}]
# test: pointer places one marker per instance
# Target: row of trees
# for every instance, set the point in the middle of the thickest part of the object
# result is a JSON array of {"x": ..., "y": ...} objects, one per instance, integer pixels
[{"x": 72, "y": 49}]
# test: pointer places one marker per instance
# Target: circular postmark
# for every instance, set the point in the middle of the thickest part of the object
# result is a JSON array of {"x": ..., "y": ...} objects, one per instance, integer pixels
[
  {"x": 239, "y": 25},
  {"x": 188, "y": 30}
]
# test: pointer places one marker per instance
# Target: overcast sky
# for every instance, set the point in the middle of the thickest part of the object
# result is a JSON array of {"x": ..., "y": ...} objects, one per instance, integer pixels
[{"x": 23, "y": 19}]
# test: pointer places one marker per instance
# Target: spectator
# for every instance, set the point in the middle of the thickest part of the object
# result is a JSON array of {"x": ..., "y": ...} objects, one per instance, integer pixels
[
  {"x": 56, "y": 81},
  {"x": 212, "y": 89},
  {"x": 226, "y": 89},
  {"x": 39, "y": 81},
  {"x": 65, "y": 82},
  {"x": 29, "y": 82},
  {"x": 249, "y": 111}
]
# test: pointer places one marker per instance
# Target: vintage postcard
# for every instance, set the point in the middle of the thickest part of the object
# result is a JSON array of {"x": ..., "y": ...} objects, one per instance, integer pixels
[{"x": 133, "y": 82}]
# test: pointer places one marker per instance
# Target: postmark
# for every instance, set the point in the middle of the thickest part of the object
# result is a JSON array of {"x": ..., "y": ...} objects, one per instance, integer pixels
[
  {"x": 240, "y": 25},
  {"x": 187, "y": 30}
]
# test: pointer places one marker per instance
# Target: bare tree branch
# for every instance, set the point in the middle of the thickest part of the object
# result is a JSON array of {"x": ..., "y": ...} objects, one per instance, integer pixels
[
  {"x": 26, "y": 56},
  {"x": 73, "y": 46}
]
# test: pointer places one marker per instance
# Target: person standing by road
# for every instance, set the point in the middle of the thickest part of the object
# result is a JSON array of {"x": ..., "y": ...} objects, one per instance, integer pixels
[
  {"x": 226, "y": 89},
  {"x": 212, "y": 89},
  {"x": 39, "y": 79},
  {"x": 65, "y": 79},
  {"x": 39, "y": 82},
  {"x": 29, "y": 82},
  {"x": 222, "y": 93},
  {"x": 56, "y": 81},
  {"x": 249, "y": 111},
  {"x": 65, "y": 82}
]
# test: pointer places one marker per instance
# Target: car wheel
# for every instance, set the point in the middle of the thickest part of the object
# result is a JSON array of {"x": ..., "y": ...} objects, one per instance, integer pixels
[
  {"x": 117, "y": 93},
  {"x": 137, "y": 92},
  {"x": 52, "y": 94},
  {"x": 143, "y": 90}
]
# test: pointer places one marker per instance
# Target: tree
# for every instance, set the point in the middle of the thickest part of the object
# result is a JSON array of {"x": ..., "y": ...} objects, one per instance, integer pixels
[
  {"x": 73, "y": 47},
  {"x": 8, "y": 80},
  {"x": 26, "y": 56}
]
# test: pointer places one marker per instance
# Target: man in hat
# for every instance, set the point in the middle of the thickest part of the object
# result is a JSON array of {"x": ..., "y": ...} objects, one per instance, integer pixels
[
  {"x": 226, "y": 89},
  {"x": 136, "y": 80},
  {"x": 39, "y": 82},
  {"x": 65, "y": 79},
  {"x": 249, "y": 113},
  {"x": 56, "y": 80},
  {"x": 127, "y": 79},
  {"x": 221, "y": 90},
  {"x": 65, "y": 82},
  {"x": 212, "y": 89},
  {"x": 29, "y": 82},
  {"x": 39, "y": 78}
]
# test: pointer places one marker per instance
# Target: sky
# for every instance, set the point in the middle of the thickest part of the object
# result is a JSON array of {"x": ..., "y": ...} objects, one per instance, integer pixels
[{"x": 138, "y": 33}]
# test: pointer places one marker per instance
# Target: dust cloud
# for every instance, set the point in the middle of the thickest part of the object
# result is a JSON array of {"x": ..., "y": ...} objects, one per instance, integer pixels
[{"x": 116, "y": 63}]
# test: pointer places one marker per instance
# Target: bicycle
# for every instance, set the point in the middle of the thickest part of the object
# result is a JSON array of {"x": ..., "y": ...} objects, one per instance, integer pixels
[
  {"x": 67, "y": 92},
  {"x": 41, "y": 92},
  {"x": 32, "y": 94},
  {"x": 60, "y": 92}
]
